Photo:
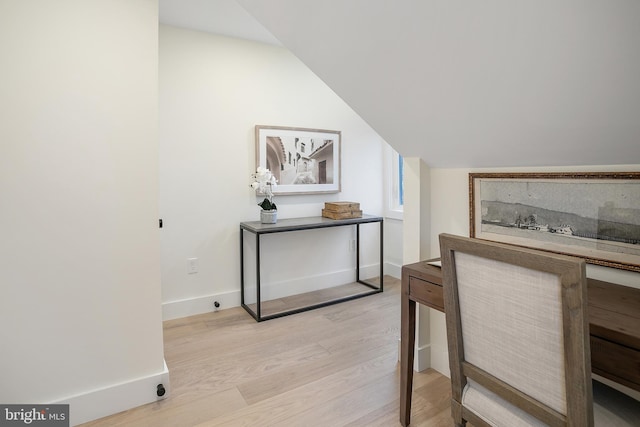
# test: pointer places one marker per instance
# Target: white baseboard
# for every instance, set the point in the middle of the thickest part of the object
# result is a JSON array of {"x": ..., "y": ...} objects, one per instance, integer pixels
[
  {"x": 116, "y": 398},
  {"x": 440, "y": 359},
  {"x": 204, "y": 304},
  {"x": 393, "y": 270},
  {"x": 199, "y": 305},
  {"x": 421, "y": 357},
  {"x": 313, "y": 283}
]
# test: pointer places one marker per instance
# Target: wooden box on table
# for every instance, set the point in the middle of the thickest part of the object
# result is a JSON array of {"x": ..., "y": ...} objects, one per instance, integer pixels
[{"x": 341, "y": 210}]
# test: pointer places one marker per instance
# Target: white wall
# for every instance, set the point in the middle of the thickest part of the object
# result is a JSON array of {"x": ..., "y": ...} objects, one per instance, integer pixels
[
  {"x": 393, "y": 244},
  {"x": 394, "y": 224},
  {"x": 450, "y": 214},
  {"x": 213, "y": 91},
  {"x": 79, "y": 258},
  {"x": 417, "y": 208}
]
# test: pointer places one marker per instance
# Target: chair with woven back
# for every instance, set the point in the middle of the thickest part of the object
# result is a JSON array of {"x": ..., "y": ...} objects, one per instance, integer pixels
[{"x": 518, "y": 338}]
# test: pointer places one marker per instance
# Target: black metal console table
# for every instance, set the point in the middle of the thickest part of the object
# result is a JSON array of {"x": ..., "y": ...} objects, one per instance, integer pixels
[{"x": 298, "y": 224}]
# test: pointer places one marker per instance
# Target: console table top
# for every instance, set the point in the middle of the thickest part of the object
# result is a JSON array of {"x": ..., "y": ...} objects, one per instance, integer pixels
[{"x": 305, "y": 223}]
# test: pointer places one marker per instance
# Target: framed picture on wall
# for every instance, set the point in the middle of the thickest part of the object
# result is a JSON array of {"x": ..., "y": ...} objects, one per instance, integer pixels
[
  {"x": 304, "y": 161},
  {"x": 595, "y": 216}
]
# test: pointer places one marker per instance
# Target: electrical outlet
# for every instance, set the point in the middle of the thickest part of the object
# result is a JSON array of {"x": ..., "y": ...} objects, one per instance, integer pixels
[{"x": 192, "y": 265}]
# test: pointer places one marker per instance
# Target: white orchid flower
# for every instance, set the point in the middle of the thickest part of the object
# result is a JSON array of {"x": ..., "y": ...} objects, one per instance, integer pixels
[{"x": 263, "y": 183}]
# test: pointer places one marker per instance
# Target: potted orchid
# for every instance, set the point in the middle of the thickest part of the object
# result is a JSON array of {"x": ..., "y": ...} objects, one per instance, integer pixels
[{"x": 263, "y": 183}]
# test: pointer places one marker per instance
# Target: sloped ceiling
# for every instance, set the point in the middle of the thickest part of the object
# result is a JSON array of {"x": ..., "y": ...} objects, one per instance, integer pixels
[
  {"x": 478, "y": 84},
  {"x": 224, "y": 17},
  {"x": 475, "y": 84}
]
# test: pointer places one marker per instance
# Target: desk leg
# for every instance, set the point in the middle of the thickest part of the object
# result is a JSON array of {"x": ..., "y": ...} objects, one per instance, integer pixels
[{"x": 407, "y": 344}]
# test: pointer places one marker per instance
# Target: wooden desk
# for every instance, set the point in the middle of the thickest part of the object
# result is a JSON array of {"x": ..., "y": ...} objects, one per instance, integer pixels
[{"x": 614, "y": 326}]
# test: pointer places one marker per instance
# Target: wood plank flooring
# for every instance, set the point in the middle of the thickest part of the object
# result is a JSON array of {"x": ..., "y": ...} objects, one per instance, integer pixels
[{"x": 333, "y": 366}]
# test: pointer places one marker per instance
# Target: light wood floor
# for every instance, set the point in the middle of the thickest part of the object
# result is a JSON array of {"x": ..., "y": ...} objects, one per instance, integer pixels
[{"x": 333, "y": 366}]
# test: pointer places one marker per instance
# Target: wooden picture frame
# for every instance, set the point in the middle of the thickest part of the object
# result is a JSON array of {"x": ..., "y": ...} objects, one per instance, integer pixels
[
  {"x": 595, "y": 216},
  {"x": 304, "y": 161}
]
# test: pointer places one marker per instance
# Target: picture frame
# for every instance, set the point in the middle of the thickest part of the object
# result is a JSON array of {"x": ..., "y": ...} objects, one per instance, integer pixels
[
  {"x": 595, "y": 216},
  {"x": 304, "y": 161}
]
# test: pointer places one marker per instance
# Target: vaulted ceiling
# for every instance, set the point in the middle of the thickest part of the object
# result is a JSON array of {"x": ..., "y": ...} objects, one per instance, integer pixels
[{"x": 475, "y": 84}]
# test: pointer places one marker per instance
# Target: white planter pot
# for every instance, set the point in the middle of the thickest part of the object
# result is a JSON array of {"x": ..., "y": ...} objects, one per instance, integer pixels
[{"x": 269, "y": 217}]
